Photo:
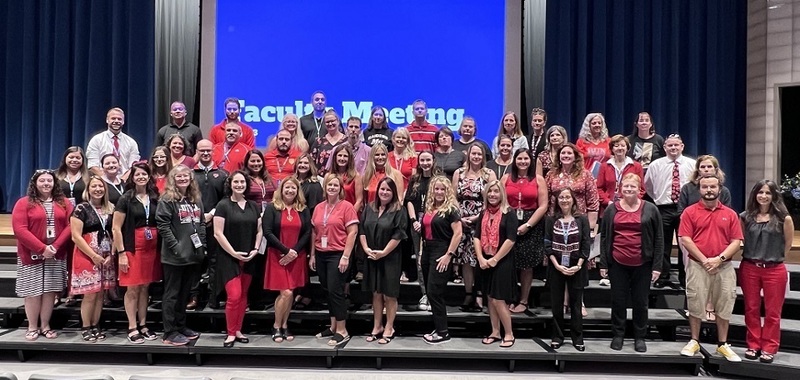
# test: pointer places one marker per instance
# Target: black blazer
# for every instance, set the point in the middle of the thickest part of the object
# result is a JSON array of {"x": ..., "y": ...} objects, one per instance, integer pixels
[{"x": 271, "y": 228}]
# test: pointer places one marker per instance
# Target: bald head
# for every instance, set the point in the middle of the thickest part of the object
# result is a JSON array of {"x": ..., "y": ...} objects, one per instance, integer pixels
[{"x": 204, "y": 148}]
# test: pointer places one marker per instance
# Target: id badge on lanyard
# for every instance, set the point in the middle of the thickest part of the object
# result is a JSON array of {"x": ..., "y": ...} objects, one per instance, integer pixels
[{"x": 148, "y": 234}]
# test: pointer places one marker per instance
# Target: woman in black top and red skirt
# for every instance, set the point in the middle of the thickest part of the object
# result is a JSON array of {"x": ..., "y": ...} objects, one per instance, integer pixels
[
  {"x": 441, "y": 231},
  {"x": 237, "y": 228},
  {"x": 494, "y": 236}
]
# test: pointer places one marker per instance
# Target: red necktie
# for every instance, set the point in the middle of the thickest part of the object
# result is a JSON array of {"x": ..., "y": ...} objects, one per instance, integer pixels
[
  {"x": 676, "y": 182},
  {"x": 116, "y": 146}
]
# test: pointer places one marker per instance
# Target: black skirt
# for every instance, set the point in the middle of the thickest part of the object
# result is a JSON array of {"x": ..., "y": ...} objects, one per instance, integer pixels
[
  {"x": 383, "y": 276},
  {"x": 500, "y": 282},
  {"x": 529, "y": 248}
]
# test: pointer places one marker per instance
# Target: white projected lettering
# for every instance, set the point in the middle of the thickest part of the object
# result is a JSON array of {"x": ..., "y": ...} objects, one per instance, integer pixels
[{"x": 398, "y": 116}]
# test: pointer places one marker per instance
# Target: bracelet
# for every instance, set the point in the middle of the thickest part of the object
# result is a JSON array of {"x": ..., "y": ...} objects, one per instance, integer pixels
[{"x": 346, "y": 257}]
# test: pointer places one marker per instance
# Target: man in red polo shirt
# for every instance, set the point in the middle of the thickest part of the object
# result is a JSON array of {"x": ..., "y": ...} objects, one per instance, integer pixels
[
  {"x": 711, "y": 233},
  {"x": 280, "y": 161},
  {"x": 229, "y": 155},
  {"x": 422, "y": 133},
  {"x": 218, "y": 133}
]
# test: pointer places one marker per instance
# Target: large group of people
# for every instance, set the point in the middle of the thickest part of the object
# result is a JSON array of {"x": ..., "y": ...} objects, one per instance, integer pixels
[{"x": 381, "y": 206}]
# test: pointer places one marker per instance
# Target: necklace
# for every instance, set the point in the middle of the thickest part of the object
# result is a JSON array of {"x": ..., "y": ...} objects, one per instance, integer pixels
[{"x": 289, "y": 216}]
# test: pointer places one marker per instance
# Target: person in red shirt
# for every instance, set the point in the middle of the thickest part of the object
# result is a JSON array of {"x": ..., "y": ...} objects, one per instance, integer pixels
[
  {"x": 280, "y": 161},
  {"x": 593, "y": 142},
  {"x": 422, "y": 133},
  {"x": 218, "y": 132},
  {"x": 229, "y": 154},
  {"x": 711, "y": 233},
  {"x": 612, "y": 171}
]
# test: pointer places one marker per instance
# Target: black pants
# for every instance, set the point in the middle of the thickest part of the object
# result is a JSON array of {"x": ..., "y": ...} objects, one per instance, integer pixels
[
  {"x": 209, "y": 268},
  {"x": 436, "y": 283},
  {"x": 558, "y": 282},
  {"x": 633, "y": 281},
  {"x": 178, "y": 281},
  {"x": 332, "y": 281},
  {"x": 670, "y": 220}
]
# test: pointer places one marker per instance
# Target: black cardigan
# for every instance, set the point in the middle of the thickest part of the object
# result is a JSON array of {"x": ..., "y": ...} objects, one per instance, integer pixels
[
  {"x": 271, "y": 228},
  {"x": 652, "y": 236}
]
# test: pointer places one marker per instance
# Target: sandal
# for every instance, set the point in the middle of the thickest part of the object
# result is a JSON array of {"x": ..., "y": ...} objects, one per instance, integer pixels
[
  {"x": 134, "y": 336},
  {"x": 374, "y": 336},
  {"x": 711, "y": 315},
  {"x": 386, "y": 339},
  {"x": 338, "y": 340},
  {"x": 50, "y": 334},
  {"x": 146, "y": 333},
  {"x": 520, "y": 308},
  {"x": 98, "y": 334},
  {"x": 32, "y": 335},
  {"x": 88, "y": 335},
  {"x": 324, "y": 334},
  {"x": 555, "y": 345},
  {"x": 277, "y": 335},
  {"x": 490, "y": 340},
  {"x": 508, "y": 343},
  {"x": 287, "y": 335},
  {"x": 766, "y": 358},
  {"x": 752, "y": 354}
]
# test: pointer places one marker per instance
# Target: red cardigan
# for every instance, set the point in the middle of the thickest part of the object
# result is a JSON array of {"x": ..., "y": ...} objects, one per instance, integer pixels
[
  {"x": 607, "y": 181},
  {"x": 30, "y": 229}
]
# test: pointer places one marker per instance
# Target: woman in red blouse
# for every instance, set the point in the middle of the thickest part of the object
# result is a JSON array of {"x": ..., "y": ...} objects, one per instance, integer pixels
[
  {"x": 593, "y": 142},
  {"x": 177, "y": 148},
  {"x": 40, "y": 221},
  {"x": 527, "y": 196},
  {"x": 609, "y": 181},
  {"x": 403, "y": 157},
  {"x": 158, "y": 166},
  {"x": 344, "y": 167},
  {"x": 377, "y": 168}
]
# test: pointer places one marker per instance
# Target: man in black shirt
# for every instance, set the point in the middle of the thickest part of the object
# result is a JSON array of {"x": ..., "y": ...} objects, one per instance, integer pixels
[
  {"x": 189, "y": 131},
  {"x": 311, "y": 124}
]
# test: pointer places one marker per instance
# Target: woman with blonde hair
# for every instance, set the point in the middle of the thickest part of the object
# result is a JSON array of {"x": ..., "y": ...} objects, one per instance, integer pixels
[
  {"x": 287, "y": 227},
  {"x": 290, "y": 123},
  {"x": 495, "y": 234},
  {"x": 403, "y": 158},
  {"x": 180, "y": 221},
  {"x": 510, "y": 126},
  {"x": 378, "y": 167},
  {"x": 441, "y": 231},
  {"x": 93, "y": 265}
]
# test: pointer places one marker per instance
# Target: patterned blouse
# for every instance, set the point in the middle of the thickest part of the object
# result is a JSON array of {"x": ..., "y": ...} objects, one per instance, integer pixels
[{"x": 584, "y": 187}]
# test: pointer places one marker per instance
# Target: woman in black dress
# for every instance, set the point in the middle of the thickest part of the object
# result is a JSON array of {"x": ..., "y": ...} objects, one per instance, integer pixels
[
  {"x": 237, "y": 228},
  {"x": 495, "y": 232},
  {"x": 382, "y": 228},
  {"x": 72, "y": 174}
]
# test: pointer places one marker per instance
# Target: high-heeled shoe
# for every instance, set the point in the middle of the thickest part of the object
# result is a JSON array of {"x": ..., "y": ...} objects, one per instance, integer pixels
[{"x": 228, "y": 343}]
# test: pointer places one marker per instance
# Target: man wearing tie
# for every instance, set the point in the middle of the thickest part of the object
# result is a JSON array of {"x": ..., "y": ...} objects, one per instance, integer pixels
[
  {"x": 663, "y": 182},
  {"x": 112, "y": 140}
]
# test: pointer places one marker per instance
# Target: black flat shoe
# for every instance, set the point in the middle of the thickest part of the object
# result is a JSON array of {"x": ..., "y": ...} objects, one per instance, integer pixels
[
  {"x": 228, "y": 344},
  {"x": 242, "y": 339},
  {"x": 580, "y": 347},
  {"x": 555, "y": 345}
]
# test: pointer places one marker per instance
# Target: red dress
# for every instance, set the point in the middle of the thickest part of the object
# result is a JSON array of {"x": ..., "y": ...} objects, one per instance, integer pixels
[{"x": 293, "y": 275}]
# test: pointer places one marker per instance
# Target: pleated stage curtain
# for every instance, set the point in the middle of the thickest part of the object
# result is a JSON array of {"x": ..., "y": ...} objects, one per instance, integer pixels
[
  {"x": 683, "y": 61},
  {"x": 64, "y": 64}
]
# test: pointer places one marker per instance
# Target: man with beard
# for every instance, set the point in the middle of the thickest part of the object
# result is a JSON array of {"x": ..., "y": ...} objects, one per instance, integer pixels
[
  {"x": 280, "y": 161},
  {"x": 211, "y": 181},
  {"x": 229, "y": 154},
  {"x": 663, "y": 182},
  {"x": 422, "y": 133},
  {"x": 218, "y": 132},
  {"x": 311, "y": 124},
  {"x": 360, "y": 150},
  {"x": 711, "y": 233},
  {"x": 189, "y": 131},
  {"x": 114, "y": 141}
]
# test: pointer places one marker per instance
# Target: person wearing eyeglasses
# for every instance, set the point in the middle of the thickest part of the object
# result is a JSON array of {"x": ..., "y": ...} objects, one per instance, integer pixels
[
  {"x": 40, "y": 221},
  {"x": 663, "y": 181},
  {"x": 113, "y": 141},
  {"x": 219, "y": 133},
  {"x": 178, "y": 124}
]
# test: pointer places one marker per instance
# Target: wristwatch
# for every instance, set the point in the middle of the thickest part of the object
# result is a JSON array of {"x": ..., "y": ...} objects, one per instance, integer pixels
[
  {"x": 723, "y": 258},
  {"x": 526, "y": 224},
  {"x": 449, "y": 253}
]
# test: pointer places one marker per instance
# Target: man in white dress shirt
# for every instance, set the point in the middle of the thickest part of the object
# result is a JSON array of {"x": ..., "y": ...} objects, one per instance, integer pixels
[
  {"x": 113, "y": 140},
  {"x": 663, "y": 181}
]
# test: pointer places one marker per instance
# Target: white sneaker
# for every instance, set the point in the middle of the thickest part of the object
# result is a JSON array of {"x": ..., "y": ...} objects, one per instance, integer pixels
[
  {"x": 726, "y": 351},
  {"x": 691, "y": 348},
  {"x": 605, "y": 282},
  {"x": 423, "y": 303}
]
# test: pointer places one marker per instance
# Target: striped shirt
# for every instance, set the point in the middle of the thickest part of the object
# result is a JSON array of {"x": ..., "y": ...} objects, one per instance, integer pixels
[{"x": 423, "y": 136}]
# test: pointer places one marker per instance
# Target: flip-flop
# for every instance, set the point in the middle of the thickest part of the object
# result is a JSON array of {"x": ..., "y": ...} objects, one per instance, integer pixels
[
  {"x": 386, "y": 339},
  {"x": 512, "y": 341},
  {"x": 374, "y": 336},
  {"x": 490, "y": 340}
]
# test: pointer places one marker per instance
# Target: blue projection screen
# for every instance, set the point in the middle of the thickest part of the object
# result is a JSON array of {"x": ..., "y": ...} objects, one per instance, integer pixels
[{"x": 273, "y": 55}]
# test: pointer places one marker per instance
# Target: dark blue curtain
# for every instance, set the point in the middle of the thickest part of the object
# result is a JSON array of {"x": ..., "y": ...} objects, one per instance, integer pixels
[
  {"x": 683, "y": 61},
  {"x": 64, "y": 64}
]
